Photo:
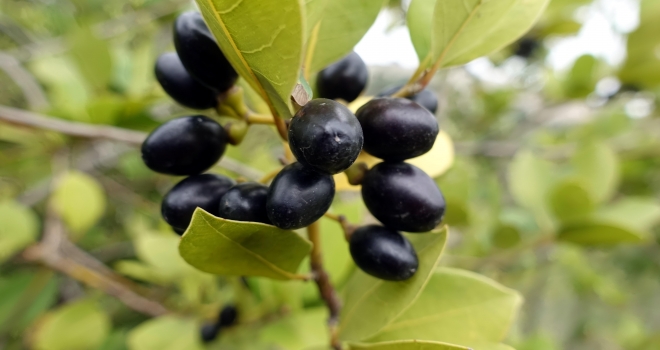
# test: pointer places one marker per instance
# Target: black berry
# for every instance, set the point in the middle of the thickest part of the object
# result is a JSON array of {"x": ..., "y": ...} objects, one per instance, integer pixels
[
  {"x": 200, "y": 53},
  {"x": 178, "y": 83},
  {"x": 209, "y": 332},
  {"x": 397, "y": 129},
  {"x": 403, "y": 197},
  {"x": 343, "y": 79},
  {"x": 383, "y": 253},
  {"x": 526, "y": 47},
  {"x": 185, "y": 146},
  {"x": 425, "y": 98},
  {"x": 245, "y": 202},
  {"x": 326, "y": 136},
  {"x": 202, "y": 191},
  {"x": 299, "y": 196},
  {"x": 228, "y": 316}
]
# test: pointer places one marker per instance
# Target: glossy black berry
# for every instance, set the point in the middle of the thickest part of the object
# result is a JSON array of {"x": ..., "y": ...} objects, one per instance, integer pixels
[
  {"x": 228, "y": 316},
  {"x": 245, "y": 202},
  {"x": 185, "y": 146},
  {"x": 397, "y": 129},
  {"x": 178, "y": 83},
  {"x": 425, "y": 98},
  {"x": 209, "y": 332},
  {"x": 299, "y": 196},
  {"x": 343, "y": 79},
  {"x": 200, "y": 53},
  {"x": 403, "y": 197},
  {"x": 202, "y": 191},
  {"x": 326, "y": 136},
  {"x": 383, "y": 253}
]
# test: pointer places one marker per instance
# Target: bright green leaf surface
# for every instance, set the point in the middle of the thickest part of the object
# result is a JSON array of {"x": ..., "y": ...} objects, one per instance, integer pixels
[
  {"x": 77, "y": 326},
  {"x": 407, "y": 345},
  {"x": 226, "y": 247},
  {"x": 570, "y": 200},
  {"x": 372, "y": 304},
  {"x": 530, "y": 180},
  {"x": 642, "y": 64},
  {"x": 458, "y": 307},
  {"x": 582, "y": 79},
  {"x": 298, "y": 331},
  {"x": 598, "y": 233},
  {"x": 19, "y": 227},
  {"x": 313, "y": 13},
  {"x": 597, "y": 166},
  {"x": 165, "y": 333},
  {"x": 420, "y": 23},
  {"x": 637, "y": 213},
  {"x": 80, "y": 200},
  {"x": 263, "y": 40},
  {"x": 92, "y": 56}
]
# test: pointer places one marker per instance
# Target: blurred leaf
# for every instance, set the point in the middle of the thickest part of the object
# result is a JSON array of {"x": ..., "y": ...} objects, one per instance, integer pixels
[
  {"x": 24, "y": 296},
  {"x": 92, "y": 56},
  {"x": 299, "y": 331},
  {"x": 642, "y": 66},
  {"x": 597, "y": 167},
  {"x": 314, "y": 10},
  {"x": 161, "y": 252},
  {"x": 363, "y": 315},
  {"x": 439, "y": 159},
  {"x": 420, "y": 21},
  {"x": 596, "y": 233},
  {"x": 506, "y": 236},
  {"x": 105, "y": 109},
  {"x": 569, "y": 201},
  {"x": 115, "y": 341},
  {"x": 165, "y": 333},
  {"x": 636, "y": 213},
  {"x": 80, "y": 200},
  {"x": 530, "y": 180},
  {"x": 226, "y": 247},
  {"x": 582, "y": 79},
  {"x": 19, "y": 227},
  {"x": 77, "y": 326},
  {"x": 68, "y": 92},
  {"x": 407, "y": 345},
  {"x": 264, "y": 43}
]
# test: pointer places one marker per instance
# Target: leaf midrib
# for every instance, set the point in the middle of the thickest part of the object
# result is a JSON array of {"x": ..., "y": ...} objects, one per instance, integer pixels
[{"x": 457, "y": 35}]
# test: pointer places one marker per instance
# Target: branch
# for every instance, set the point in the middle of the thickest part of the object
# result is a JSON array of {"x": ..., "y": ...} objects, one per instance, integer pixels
[{"x": 32, "y": 91}]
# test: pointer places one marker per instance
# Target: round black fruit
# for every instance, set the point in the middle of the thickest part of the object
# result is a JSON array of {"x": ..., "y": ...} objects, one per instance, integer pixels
[
  {"x": 202, "y": 191},
  {"x": 245, "y": 202},
  {"x": 200, "y": 53},
  {"x": 228, "y": 316},
  {"x": 185, "y": 146},
  {"x": 345, "y": 79},
  {"x": 326, "y": 136},
  {"x": 396, "y": 129},
  {"x": 425, "y": 98},
  {"x": 403, "y": 197},
  {"x": 383, "y": 253},
  {"x": 178, "y": 83},
  {"x": 299, "y": 196},
  {"x": 209, "y": 332}
]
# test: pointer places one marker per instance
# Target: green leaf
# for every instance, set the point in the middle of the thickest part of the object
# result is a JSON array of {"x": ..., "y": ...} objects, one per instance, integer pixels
[
  {"x": 637, "y": 213},
  {"x": 165, "y": 333},
  {"x": 642, "y": 66},
  {"x": 92, "y": 56},
  {"x": 458, "y": 307},
  {"x": 364, "y": 314},
  {"x": 24, "y": 296},
  {"x": 407, "y": 345},
  {"x": 582, "y": 79},
  {"x": 19, "y": 227},
  {"x": 77, "y": 326},
  {"x": 464, "y": 30},
  {"x": 263, "y": 40},
  {"x": 506, "y": 236},
  {"x": 570, "y": 201},
  {"x": 80, "y": 200},
  {"x": 298, "y": 331},
  {"x": 597, "y": 167},
  {"x": 420, "y": 23},
  {"x": 598, "y": 233},
  {"x": 313, "y": 13},
  {"x": 530, "y": 180},
  {"x": 226, "y": 247}
]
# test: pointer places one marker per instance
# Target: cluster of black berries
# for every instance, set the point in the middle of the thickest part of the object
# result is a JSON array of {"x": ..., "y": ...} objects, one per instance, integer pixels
[{"x": 227, "y": 317}]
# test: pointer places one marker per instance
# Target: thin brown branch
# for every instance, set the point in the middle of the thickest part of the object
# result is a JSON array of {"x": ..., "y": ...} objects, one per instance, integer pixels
[{"x": 32, "y": 91}]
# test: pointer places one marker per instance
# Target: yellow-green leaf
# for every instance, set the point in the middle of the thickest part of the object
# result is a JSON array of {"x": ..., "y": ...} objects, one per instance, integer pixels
[
  {"x": 18, "y": 228},
  {"x": 420, "y": 23},
  {"x": 570, "y": 201},
  {"x": 80, "y": 200},
  {"x": 598, "y": 233},
  {"x": 226, "y": 247},
  {"x": 642, "y": 64},
  {"x": 637, "y": 213},
  {"x": 597, "y": 167},
  {"x": 298, "y": 331},
  {"x": 407, "y": 345},
  {"x": 165, "y": 333},
  {"x": 78, "y": 326},
  {"x": 530, "y": 180},
  {"x": 372, "y": 304}
]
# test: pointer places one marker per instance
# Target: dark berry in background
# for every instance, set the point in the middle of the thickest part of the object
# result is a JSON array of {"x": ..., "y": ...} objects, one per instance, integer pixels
[
  {"x": 396, "y": 129},
  {"x": 526, "y": 47},
  {"x": 209, "y": 332},
  {"x": 299, "y": 196},
  {"x": 176, "y": 81},
  {"x": 326, "y": 136},
  {"x": 200, "y": 53},
  {"x": 403, "y": 197},
  {"x": 345, "y": 79},
  {"x": 185, "y": 146},
  {"x": 383, "y": 253},
  {"x": 425, "y": 98},
  {"x": 228, "y": 316},
  {"x": 202, "y": 191},
  {"x": 245, "y": 202}
]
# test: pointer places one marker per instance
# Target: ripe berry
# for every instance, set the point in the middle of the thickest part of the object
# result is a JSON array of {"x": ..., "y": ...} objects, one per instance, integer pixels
[
  {"x": 396, "y": 129},
  {"x": 403, "y": 197},
  {"x": 299, "y": 196},
  {"x": 343, "y": 79},
  {"x": 526, "y": 47},
  {"x": 209, "y": 332},
  {"x": 200, "y": 53},
  {"x": 326, "y": 136},
  {"x": 176, "y": 81},
  {"x": 185, "y": 146},
  {"x": 425, "y": 98},
  {"x": 383, "y": 253},
  {"x": 228, "y": 316},
  {"x": 202, "y": 191},
  {"x": 245, "y": 202}
]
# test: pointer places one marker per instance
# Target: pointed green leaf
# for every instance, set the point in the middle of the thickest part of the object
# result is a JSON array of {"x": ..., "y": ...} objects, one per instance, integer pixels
[
  {"x": 226, "y": 247},
  {"x": 420, "y": 23},
  {"x": 165, "y": 333},
  {"x": 597, "y": 167},
  {"x": 18, "y": 228},
  {"x": 80, "y": 200},
  {"x": 313, "y": 13},
  {"x": 582, "y": 79},
  {"x": 598, "y": 233},
  {"x": 407, "y": 345},
  {"x": 80, "y": 325},
  {"x": 372, "y": 304},
  {"x": 637, "y": 213},
  {"x": 263, "y": 40}
]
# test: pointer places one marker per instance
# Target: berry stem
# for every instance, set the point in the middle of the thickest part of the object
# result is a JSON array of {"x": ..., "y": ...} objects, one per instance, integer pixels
[
  {"x": 345, "y": 225},
  {"x": 255, "y": 118},
  {"x": 322, "y": 279}
]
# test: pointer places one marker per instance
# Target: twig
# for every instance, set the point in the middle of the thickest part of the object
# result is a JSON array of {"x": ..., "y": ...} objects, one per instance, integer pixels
[
  {"x": 346, "y": 226},
  {"x": 327, "y": 291},
  {"x": 32, "y": 91}
]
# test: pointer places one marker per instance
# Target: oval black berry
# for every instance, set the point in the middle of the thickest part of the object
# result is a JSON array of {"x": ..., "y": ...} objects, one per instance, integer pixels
[
  {"x": 185, "y": 146},
  {"x": 396, "y": 129},
  {"x": 209, "y": 332},
  {"x": 202, "y": 191},
  {"x": 345, "y": 79},
  {"x": 383, "y": 253},
  {"x": 403, "y": 197},
  {"x": 299, "y": 196},
  {"x": 326, "y": 136},
  {"x": 245, "y": 202},
  {"x": 200, "y": 53},
  {"x": 228, "y": 316},
  {"x": 425, "y": 98},
  {"x": 178, "y": 83}
]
